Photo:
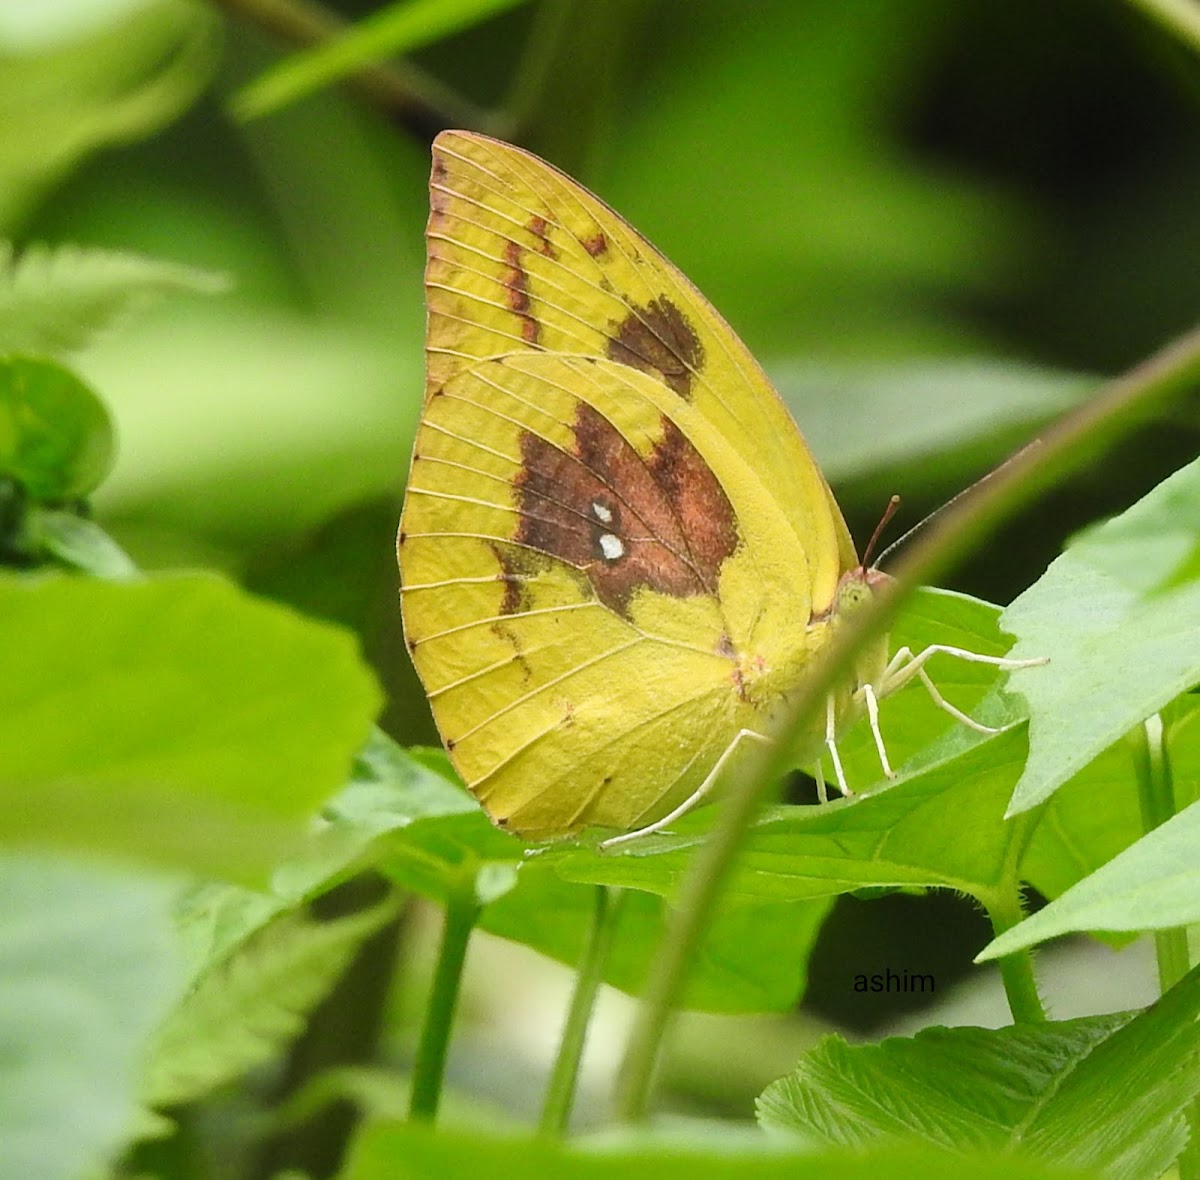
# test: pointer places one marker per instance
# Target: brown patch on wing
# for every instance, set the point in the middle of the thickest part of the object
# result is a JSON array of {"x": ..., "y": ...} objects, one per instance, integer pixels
[
  {"x": 596, "y": 244},
  {"x": 621, "y": 520},
  {"x": 516, "y": 292},
  {"x": 538, "y": 226},
  {"x": 659, "y": 339}
]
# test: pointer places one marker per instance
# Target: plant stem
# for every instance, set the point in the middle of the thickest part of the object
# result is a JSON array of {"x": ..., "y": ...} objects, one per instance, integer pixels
[
  {"x": 1156, "y": 798},
  {"x": 398, "y": 89},
  {"x": 1072, "y": 443},
  {"x": 685, "y": 926},
  {"x": 1016, "y": 970},
  {"x": 1180, "y": 17},
  {"x": 462, "y": 912},
  {"x": 1005, "y": 910},
  {"x": 560, "y": 1092}
]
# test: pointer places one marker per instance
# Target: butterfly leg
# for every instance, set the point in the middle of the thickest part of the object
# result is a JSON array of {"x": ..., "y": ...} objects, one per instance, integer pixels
[
  {"x": 834, "y": 756},
  {"x": 693, "y": 800},
  {"x": 904, "y": 666},
  {"x": 872, "y": 702}
]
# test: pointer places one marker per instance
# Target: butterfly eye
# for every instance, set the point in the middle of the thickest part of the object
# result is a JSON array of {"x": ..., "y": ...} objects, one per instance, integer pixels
[{"x": 853, "y": 593}]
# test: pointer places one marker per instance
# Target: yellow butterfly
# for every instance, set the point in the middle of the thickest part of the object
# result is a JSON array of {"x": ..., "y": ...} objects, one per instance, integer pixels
[{"x": 618, "y": 557}]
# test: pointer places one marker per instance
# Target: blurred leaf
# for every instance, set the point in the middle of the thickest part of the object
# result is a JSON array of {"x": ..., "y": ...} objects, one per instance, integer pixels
[
  {"x": 78, "y": 544},
  {"x": 1110, "y": 612},
  {"x": 244, "y": 1008},
  {"x": 398, "y": 28},
  {"x": 1104, "y": 1092},
  {"x": 338, "y": 404},
  {"x": 114, "y": 81},
  {"x": 56, "y": 300},
  {"x": 174, "y": 720},
  {"x": 695, "y": 1152},
  {"x": 87, "y": 969},
  {"x": 375, "y": 1091},
  {"x": 752, "y": 958},
  {"x": 56, "y": 438},
  {"x": 961, "y": 413}
]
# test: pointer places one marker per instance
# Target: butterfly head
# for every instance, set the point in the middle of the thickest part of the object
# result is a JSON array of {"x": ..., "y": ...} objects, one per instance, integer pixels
[
  {"x": 857, "y": 587},
  {"x": 859, "y": 584}
]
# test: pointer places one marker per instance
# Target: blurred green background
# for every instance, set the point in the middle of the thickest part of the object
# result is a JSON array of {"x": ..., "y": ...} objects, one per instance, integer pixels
[{"x": 937, "y": 224}]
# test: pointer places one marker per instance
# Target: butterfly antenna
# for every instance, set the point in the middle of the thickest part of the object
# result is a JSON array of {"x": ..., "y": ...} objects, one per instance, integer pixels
[
  {"x": 967, "y": 491},
  {"x": 888, "y": 513}
]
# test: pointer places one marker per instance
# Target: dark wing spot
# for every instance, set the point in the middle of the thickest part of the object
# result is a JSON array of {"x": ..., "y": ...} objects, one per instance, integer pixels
[
  {"x": 516, "y": 288},
  {"x": 674, "y": 524},
  {"x": 660, "y": 340},
  {"x": 597, "y": 244},
  {"x": 538, "y": 226}
]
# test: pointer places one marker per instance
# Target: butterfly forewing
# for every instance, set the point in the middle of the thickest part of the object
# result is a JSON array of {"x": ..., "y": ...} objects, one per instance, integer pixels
[{"x": 522, "y": 257}]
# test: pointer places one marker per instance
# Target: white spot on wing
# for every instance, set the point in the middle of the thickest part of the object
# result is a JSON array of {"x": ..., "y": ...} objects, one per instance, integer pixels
[{"x": 611, "y": 547}]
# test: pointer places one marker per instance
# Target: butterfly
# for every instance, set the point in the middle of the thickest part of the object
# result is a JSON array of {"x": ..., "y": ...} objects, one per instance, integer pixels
[{"x": 618, "y": 556}]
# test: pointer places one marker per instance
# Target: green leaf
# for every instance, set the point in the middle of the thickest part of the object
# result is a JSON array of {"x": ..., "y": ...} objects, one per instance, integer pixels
[
  {"x": 1117, "y": 614},
  {"x": 399, "y": 811},
  {"x": 396, "y": 29},
  {"x": 691, "y": 1154},
  {"x": 56, "y": 438},
  {"x": 57, "y": 299},
  {"x": 87, "y": 968},
  {"x": 1103, "y": 1092},
  {"x": 1152, "y": 885},
  {"x": 170, "y": 719},
  {"x": 940, "y": 827},
  {"x": 247, "y": 1006}
]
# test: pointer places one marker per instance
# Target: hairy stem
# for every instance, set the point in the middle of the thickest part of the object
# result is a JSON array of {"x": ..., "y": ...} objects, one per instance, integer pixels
[{"x": 1156, "y": 798}]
